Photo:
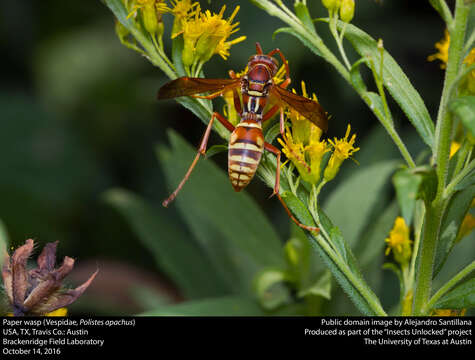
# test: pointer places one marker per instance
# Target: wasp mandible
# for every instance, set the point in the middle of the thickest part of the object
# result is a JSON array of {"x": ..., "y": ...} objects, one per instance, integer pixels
[{"x": 246, "y": 143}]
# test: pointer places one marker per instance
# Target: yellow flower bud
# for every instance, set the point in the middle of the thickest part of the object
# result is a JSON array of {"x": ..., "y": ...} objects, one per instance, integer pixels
[
  {"x": 206, "y": 45},
  {"x": 407, "y": 304},
  {"x": 150, "y": 20},
  {"x": 121, "y": 31},
  {"x": 342, "y": 150},
  {"x": 399, "y": 242},
  {"x": 331, "y": 4},
  {"x": 347, "y": 10}
]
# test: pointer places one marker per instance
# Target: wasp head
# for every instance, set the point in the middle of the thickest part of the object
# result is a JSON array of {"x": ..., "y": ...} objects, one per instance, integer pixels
[{"x": 258, "y": 79}]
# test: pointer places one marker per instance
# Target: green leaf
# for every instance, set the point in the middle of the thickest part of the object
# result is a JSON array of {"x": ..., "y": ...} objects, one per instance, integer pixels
[
  {"x": 407, "y": 183},
  {"x": 236, "y": 236},
  {"x": 355, "y": 76},
  {"x": 428, "y": 186},
  {"x": 215, "y": 149},
  {"x": 464, "y": 108},
  {"x": 304, "y": 265},
  {"x": 177, "y": 51},
  {"x": 321, "y": 287},
  {"x": 395, "y": 269},
  {"x": 272, "y": 133},
  {"x": 451, "y": 222},
  {"x": 271, "y": 289},
  {"x": 305, "y": 268},
  {"x": 303, "y": 14},
  {"x": 351, "y": 204},
  {"x": 467, "y": 181},
  {"x": 462, "y": 297},
  {"x": 339, "y": 242},
  {"x": 395, "y": 81},
  {"x": 225, "y": 306},
  {"x": 120, "y": 12},
  {"x": 173, "y": 247},
  {"x": 372, "y": 243},
  {"x": 375, "y": 103}
]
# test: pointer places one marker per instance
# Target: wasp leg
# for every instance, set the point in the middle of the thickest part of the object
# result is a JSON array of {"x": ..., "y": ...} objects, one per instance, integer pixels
[
  {"x": 277, "y": 153},
  {"x": 287, "y": 70},
  {"x": 201, "y": 151},
  {"x": 271, "y": 112}
]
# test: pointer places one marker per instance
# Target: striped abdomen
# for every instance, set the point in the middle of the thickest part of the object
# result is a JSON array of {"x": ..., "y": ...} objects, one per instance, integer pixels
[{"x": 245, "y": 150}]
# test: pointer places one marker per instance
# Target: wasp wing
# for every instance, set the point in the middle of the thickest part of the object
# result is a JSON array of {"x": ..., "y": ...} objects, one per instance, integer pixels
[
  {"x": 186, "y": 86},
  {"x": 308, "y": 108}
]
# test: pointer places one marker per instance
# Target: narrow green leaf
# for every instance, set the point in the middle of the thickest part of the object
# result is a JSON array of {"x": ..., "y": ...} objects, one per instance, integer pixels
[
  {"x": 467, "y": 181},
  {"x": 339, "y": 242},
  {"x": 236, "y": 236},
  {"x": 177, "y": 51},
  {"x": 464, "y": 108},
  {"x": 375, "y": 103},
  {"x": 407, "y": 183},
  {"x": 120, "y": 12},
  {"x": 173, "y": 248},
  {"x": 356, "y": 78},
  {"x": 303, "y": 14},
  {"x": 451, "y": 222},
  {"x": 462, "y": 297},
  {"x": 371, "y": 244},
  {"x": 395, "y": 81}
]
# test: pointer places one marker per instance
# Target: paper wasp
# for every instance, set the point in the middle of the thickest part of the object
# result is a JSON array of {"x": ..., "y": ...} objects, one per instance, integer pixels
[{"x": 246, "y": 143}]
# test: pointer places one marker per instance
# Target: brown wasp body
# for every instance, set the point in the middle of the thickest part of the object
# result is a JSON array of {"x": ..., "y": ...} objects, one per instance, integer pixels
[{"x": 247, "y": 143}]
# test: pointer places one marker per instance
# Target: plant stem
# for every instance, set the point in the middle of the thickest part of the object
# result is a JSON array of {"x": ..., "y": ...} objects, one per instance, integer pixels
[
  {"x": 460, "y": 176},
  {"x": 450, "y": 284},
  {"x": 434, "y": 211},
  {"x": 443, "y": 129}
]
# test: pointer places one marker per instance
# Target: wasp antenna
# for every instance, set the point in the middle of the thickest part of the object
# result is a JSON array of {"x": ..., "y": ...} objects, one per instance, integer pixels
[{"x": 259, "y": 49}]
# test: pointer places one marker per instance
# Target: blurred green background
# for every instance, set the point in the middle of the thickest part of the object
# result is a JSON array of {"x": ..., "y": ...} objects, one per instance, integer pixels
[{"x": 79, "y": 117}]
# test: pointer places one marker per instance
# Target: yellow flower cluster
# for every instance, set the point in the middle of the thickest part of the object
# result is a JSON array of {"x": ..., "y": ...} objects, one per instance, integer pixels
[
  {"x": 399, "y": 242},
  {"x": 468, "y": 85},
  {"x": 443, "y": 47},
  {"x": 303, "y": 146},
  {"x": 151, "y": 13},
  {"x": 204, "y": 33}
]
